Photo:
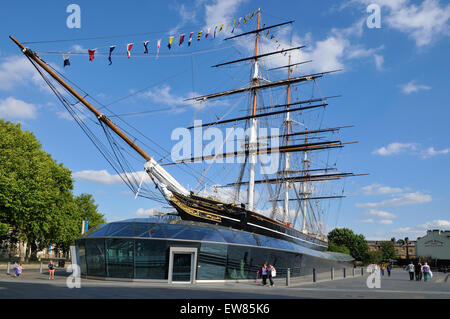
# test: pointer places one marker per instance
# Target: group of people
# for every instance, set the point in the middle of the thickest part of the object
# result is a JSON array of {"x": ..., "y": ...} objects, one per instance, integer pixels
[
  {"x": 18, "y": 268},
  {"x": 418, "y": 270},
  {"x": 266, "y": 272},
  {"x": 387, "y": 267}
]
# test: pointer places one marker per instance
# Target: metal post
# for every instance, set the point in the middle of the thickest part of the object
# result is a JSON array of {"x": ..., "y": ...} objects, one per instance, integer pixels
[
  {"x": 353, "y": 271},
  {"x": 345, "y": 274},
  {"x": 362, "y": 271},
  {"x": 332, "y": 273},
  {"x": 314, "y": 275},
  {"x": 40, "y": 268},
  {"x": 7, "y": 269},
  {"x": 288, "y": 277}
]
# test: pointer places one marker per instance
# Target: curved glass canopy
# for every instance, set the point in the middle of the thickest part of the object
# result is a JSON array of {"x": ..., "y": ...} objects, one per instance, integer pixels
[{"x": 172, "y": 227}]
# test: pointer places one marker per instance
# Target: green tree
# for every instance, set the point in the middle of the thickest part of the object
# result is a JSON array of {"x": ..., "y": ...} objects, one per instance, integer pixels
[
  {"x": 338, "y": 249},
  {"x": 373, "y": 257},
  {"x": 36, "y": 200},
  {"x": 356, "y": 244},
  {"x": 387, "y": 250}
]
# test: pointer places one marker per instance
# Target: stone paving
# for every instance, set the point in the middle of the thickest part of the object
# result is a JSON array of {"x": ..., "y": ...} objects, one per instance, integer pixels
[{"x": 34, "y": 285}]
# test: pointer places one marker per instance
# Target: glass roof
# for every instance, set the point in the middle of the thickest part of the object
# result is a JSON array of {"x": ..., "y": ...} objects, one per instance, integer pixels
[{"x": 172, "y": 227}]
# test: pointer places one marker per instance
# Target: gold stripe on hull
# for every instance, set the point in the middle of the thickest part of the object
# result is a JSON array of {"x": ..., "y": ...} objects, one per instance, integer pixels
[{"x": 196, "y": 212}]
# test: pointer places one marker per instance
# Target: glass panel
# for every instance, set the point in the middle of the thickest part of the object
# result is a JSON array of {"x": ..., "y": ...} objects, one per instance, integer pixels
[
  {"x": 157, "y": 231},
  {"x": 98, "y": 231},
  {"x": 142, "y": 229},
  {"x": 214, "y": 235},
  {"x": 228, "y": 235},
  {"x": 126, "y": 231},
  {"x": 95, "y": 257},
  {"x": 172, "y": 230},
  {"x": 119, "y": 258},
  {"x": 151, "y": 259},
  {"x": 114, "y": 227},
  {"x": 188, "y": 234},
  {"x": 212, "y": 260},
  {"x": 82, "y": 254},
  {"x": 238, "y": 262},
  {"x": 181, "y": 270}
]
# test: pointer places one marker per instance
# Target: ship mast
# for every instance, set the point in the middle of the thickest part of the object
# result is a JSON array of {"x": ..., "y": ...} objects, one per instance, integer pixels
[
  {"x": 287, "y": 157},
  {"x": 253, "y": 125}
]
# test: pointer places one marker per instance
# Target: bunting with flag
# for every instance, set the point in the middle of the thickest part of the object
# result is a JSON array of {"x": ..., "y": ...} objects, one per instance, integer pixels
[
  {"x": 129, "y": 47},
  {"x": 170, "y": 43},
  {"x": 111, "y": 49},
  {"x": 190, "y": 38},
  {"x": 199, "y": 35},
  {"x": 234, "y": 23},
  {"x": 91, "y": 54},
  {"x": 215, "y": 29},
  {"x": 66, "y": 57},
  {"x": 146, "y": 47},
  {"x": 181, "y": 39},
  {"x": 207, "y": 33},
  {"x": 221, "y": 27},
  {"x": 157, "y": 47}
]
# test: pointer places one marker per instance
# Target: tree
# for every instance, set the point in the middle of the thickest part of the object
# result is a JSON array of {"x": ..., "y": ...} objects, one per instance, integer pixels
[
  {"x": 338, "y": 249},
  {"x": 37, "y": 205},
  {"x": 356, "y": 244},
  {"x": 387, "y": 250}
]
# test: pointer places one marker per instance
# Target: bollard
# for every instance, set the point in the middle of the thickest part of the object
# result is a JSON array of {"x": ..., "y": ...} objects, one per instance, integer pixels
[
  {"x": 7, "y": 269},
  {"x": 345, "y": 275},
  {"x": 353, "y": 271},
  {"x": 314, "y": 275},
  {"x": 332, "y": 273},
  {"x": 40, "y": 269},
  {"x": 362, "y": 271},
  {"x": 288, "y": 277}
]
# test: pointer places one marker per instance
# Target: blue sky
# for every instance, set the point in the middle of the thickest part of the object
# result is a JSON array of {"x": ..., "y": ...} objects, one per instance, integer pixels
[{"x": 394, "y": 87}]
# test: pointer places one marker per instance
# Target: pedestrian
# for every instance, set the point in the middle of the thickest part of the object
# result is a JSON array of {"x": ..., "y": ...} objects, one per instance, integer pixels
[
  {"x": 410, "y": 269},
  {"x": 418, "y": 271},
  {"x": 426, "y": 272},
  {"x": 19, "y": 269},
  {"x": 389, "y": 268},
  {"x": 382, "y": 269},
  {"x": 264, "y": 273},
  {"x": 16, "y": 269},
  {"x": 51, "y": 270},
  {"x": 272, "y": 273}
]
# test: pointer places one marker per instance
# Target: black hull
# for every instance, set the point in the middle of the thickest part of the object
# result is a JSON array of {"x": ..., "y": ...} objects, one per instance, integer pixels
[{"x": 198, "y": 209}]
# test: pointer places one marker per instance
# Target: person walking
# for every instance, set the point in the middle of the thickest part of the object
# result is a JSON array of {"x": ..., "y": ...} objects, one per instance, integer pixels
[
  {"x": 382, "y": 267},
  {"x": 418, "y": 272},
  {"x": 264, "y": 274},
  {"x": 16, "y": 269},
  {"x": 272, "y": 273},
  {"x": 426, "y": 272},
  {"x": 389, "y": 268},
  {"x": 51, "y": 271},
  {"x": 19, "y": 269},
  {"x": 410, "y": 269}
]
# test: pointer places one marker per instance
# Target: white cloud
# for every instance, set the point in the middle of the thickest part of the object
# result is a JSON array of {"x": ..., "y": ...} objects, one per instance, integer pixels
[
  {"x": 369, "y": 221},
  {"x": 423, "y": 22},
  {"x": 105, "y": 178},
  {"x": 395, "y": 148},
  {"x": 379, "y": 61},
  {"x": 377, "y": 189},
  {"x": 11, "y": 108},
  {"x": 400, "y": 200},
  {"x": 382, "y": 214},
  {"x": 412, "y": 87},
  {"x": 147, "y": 212},
  {"x": 385, "y": 222},
  {"x": 430, "y": 152},
  {"x": 219, "y": 11}
]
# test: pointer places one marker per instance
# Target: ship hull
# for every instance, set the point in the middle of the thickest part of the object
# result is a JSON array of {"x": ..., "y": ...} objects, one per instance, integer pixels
[{"x": 199, "y": 209}]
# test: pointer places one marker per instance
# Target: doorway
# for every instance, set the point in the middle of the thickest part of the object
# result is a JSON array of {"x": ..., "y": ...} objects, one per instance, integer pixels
[{"x": 182, "y": 265}]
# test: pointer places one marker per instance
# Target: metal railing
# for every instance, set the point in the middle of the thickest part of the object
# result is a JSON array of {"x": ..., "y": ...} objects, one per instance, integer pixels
[{"x": 295, "y": 276}]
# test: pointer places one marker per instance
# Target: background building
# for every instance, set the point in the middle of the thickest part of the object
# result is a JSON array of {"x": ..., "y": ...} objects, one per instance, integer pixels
[{"x": 435, "y": 245}]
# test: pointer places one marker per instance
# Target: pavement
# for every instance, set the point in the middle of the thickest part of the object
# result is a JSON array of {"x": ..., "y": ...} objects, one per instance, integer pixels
[{"x": 33, "y": 285}]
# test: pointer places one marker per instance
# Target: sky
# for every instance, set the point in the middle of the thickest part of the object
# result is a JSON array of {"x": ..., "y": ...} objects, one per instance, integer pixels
[{"x": 394, "y": 87}]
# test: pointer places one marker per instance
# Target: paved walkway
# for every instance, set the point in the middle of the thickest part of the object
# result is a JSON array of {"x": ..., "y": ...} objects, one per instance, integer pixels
[{"x": 35, "y": 285}]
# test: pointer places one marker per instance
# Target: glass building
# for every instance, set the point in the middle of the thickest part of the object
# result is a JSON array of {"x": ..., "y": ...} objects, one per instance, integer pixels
[{"x": 171, "y": 250}]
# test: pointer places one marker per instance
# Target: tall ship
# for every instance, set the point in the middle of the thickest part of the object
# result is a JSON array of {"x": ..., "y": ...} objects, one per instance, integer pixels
[{"x": 281, "y": 200}]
